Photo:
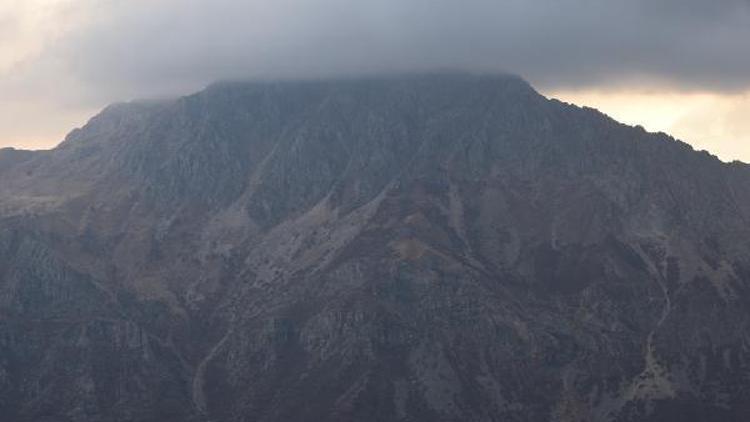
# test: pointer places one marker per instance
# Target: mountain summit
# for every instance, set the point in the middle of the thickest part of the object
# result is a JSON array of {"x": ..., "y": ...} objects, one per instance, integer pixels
[{"x": 440, "y": 247}]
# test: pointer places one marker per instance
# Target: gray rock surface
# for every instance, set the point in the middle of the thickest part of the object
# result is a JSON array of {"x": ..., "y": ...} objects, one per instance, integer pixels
[{"x": 436, "y": 247}]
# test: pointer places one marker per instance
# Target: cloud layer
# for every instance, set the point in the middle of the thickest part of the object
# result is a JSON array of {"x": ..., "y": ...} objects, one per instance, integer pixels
[{"x": 691, "y": 43}]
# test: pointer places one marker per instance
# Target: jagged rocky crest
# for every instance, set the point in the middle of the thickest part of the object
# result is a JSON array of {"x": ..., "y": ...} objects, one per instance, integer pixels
[{"x": 414, "y": 248}]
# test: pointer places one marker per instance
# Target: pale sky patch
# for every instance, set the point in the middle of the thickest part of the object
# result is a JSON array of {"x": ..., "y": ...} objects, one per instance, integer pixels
[
  {"x": 716, "y": 122},
  {"x": 32, "y": 114},
  {"x": 28, "y": 26}
]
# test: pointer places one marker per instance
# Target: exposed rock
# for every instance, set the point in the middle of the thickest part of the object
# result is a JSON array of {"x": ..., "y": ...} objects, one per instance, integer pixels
[{"x": 419, "y": 248}]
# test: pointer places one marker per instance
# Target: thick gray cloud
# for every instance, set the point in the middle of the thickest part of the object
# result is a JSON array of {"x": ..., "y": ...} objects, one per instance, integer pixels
[{"x": 160, "y": 46}]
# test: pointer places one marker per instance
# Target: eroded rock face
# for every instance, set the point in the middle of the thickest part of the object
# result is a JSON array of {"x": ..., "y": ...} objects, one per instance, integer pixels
[{"x": 417, "y": 248}]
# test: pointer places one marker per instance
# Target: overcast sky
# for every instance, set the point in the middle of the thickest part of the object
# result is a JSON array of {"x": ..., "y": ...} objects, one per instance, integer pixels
[{"x": 681, "y": 66}]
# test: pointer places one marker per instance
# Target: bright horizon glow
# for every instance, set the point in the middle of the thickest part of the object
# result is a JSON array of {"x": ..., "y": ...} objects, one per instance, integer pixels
[
  {"x": 54, "y": 124},
  {"x": 715, "y": 122}
]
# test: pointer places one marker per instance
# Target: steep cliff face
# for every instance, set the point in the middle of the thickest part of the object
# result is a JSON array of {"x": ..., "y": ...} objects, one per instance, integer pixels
[{"x": 421, "y": 248}]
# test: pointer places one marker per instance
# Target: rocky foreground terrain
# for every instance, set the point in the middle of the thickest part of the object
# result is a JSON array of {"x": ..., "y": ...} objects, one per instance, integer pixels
[{"x": 409, "y": 248}]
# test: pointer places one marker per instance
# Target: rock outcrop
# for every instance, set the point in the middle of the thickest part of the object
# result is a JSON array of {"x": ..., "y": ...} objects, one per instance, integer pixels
[{"x": 414, "y": 248}]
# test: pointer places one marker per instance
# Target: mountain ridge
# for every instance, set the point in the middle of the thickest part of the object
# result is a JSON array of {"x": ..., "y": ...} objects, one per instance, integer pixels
[
  {"x": 230, "y": 84},
  {"x": 440, "y": 247}
]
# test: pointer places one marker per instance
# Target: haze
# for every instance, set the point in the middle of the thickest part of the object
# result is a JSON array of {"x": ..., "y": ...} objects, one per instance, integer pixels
[{"x": 682, "y": 67}]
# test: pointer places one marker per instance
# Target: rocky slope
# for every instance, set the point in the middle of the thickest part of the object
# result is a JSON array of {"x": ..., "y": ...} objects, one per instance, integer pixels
[{"x": 413, "y": 248}]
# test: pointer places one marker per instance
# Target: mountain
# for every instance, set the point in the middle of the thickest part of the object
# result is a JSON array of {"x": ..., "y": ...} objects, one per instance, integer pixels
[{"x": 437, "y": 247}]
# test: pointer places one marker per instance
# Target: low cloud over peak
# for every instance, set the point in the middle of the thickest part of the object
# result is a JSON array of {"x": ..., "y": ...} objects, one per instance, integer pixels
[{"x": 692, "y": 44}]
